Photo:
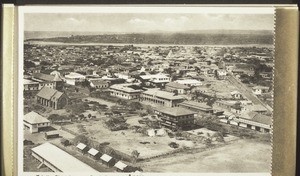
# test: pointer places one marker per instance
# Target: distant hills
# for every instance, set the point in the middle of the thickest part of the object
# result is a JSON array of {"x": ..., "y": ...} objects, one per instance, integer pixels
[{"x": 193, "y": 37}]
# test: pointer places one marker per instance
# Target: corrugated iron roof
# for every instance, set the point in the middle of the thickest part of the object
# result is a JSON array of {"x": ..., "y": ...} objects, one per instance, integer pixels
[{"x": 35, "y": 118}]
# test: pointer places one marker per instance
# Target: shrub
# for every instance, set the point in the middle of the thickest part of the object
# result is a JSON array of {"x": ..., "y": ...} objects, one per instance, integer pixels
[
  {"x": 81, "y": 139},
  {"x": 173, "y": 145}
]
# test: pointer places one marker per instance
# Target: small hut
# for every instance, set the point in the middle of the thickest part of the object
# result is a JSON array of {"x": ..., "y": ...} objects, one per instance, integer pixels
[
  {"x": 121, "y": 167},
  {"x": 51, "y": 134},
  {"x": 107, "y": 160},
  {"x": 82, "y": 148},
  {"x": 95, "y": 154}
]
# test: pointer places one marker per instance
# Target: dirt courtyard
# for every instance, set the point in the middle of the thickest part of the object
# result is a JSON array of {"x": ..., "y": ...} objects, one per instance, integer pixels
[
  {"x": 128, "y": 140},
  {"x": 238, "y": 156}
]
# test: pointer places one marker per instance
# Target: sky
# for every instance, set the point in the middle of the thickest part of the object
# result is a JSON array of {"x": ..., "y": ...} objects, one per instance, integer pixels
[{"x": 145, "y": 22}]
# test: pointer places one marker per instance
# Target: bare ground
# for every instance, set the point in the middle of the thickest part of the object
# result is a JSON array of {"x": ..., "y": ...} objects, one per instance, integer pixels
[{"x": 238, "y": 156}]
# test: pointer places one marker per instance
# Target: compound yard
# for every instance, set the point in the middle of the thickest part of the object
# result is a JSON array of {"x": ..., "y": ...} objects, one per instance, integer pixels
[{"x": 129, "y": 140}]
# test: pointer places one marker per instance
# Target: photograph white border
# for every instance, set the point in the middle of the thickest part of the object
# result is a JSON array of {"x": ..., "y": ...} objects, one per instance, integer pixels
[{"x": 184, "y": 9}]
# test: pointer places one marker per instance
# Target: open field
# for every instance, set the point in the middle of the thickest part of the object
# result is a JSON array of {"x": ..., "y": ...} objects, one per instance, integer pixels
[
  {"x": 238, "y": 156},
  {"x": 124, "y": 140}
]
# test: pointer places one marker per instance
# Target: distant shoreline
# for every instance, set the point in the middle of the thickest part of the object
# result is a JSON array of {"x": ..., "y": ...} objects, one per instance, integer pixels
[{"x": 143, "y": 44}]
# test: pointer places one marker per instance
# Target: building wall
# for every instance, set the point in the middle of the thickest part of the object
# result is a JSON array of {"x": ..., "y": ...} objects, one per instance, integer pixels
[
  {"x": 172, "y": 89},
  {"x": 28, "y": 87},
  {"x": 57, "y": 104},
  {"x": 124, "y": 95},
  {"x": 47, "y": 84},
  {"x": 176, "y": 122}
]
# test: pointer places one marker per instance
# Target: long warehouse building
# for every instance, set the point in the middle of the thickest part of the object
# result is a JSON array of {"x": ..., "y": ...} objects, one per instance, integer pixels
[{"x": 58, "y": 160}]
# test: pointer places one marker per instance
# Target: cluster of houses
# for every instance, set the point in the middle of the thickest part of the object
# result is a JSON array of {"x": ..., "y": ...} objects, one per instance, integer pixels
[
  {"x": 163, "y": 77},
  {"x": 160, "y": 92}
]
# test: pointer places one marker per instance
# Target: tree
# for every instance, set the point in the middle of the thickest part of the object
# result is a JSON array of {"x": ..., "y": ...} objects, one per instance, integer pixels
[
  {"x": 135, "y": 105},
  {"x": 28, "y": 64},
  {"x": 81, "y": 139}
]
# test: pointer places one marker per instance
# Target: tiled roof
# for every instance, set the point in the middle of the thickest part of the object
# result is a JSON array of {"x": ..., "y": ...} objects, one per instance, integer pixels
[
  {"x": 176, "y": 111},
  {"x": 48, "y": 93},
  {"x": 260, "y": 118},
  {"x": 35, "y": 118}
]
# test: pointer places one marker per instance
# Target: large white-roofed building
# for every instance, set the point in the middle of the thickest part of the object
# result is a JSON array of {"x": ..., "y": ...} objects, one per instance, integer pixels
[
  {"x": 58, "y": 160},
  {"x": 156, "y": 79},
  {"x": 125, "y": 91},
  {"x": 157, "y": 97},
  {"x": 34, "y": 122},
  {"x": 189, "y": 82},
  {"x": 74, "y": 78}
]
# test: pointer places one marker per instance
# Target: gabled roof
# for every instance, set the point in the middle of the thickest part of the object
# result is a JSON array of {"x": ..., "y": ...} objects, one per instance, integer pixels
[
  {"x": 260, "y": 118},
  {"x": 61, "y": 159},
  {"x": 176, "y": 111},
  {"x": 45, "y": 77},
  {"x": 48, "y": 93},
  {"x": 106, "y": 157},
  {"x": 177, "y": 85},
  {"x": 35, "y": 118}
]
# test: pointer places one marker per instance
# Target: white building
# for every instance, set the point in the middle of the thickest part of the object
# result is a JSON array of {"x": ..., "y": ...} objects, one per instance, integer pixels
[
  {"x": 34, "y": 122},
  {"x": 58, "y": 160},
  {"x": 74, "y": 78},
  {"x": 189, "y": 82}
]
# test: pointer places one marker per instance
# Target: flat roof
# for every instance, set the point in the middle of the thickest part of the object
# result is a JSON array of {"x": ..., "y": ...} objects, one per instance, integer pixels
[
  {"x": 81, "y": 146},
  {"x": 93, "y": 151},
  {"x": 61, "y": 159},
  {"x": 176, "y": 111},
  {"x": 120, "y": 165},
  {"x": 106, "y": 157}
]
